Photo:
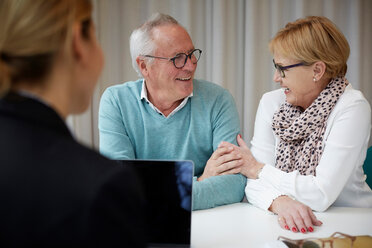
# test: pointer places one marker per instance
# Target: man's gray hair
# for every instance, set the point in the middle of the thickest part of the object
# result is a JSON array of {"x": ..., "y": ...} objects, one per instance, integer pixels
[{"x": 141, "y": 41}]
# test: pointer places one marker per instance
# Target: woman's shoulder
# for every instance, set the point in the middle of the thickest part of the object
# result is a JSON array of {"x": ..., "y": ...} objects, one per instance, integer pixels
[
  {"x": 272, "y": 99},
  {"x": 275, "y": 95},
  {"x": 351, "y": 104},
  {"x": 78, "y": 153},
  {"x": 352, "y": 96}
]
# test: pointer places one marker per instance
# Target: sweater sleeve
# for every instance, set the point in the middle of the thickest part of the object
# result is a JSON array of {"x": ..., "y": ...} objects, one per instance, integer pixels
[
  {"x": 218, "y": 190},
  {"x": 343, "y": 151},
  {"x": 114, "y": 142},
  {"x": 225, "y": 189}
]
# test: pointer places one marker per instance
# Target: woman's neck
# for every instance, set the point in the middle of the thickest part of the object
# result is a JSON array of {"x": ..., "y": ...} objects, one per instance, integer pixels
[
  {"x": 52, "y": 94},
  {"x": 322, "y": 83}
]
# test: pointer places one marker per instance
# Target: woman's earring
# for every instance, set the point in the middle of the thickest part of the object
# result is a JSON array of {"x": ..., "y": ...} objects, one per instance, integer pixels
[{"x": 314, "y": 79}]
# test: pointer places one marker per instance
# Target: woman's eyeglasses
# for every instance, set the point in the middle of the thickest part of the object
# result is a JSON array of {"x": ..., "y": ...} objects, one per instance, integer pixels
[{"x": 281, "y": 69}]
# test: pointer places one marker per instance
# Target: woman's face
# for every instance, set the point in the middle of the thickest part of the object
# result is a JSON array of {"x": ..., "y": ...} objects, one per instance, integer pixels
[{"x": 298, "y": 84}]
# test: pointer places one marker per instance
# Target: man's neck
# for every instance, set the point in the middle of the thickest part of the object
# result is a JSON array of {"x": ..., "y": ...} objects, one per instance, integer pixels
[
  {"x": 164, "y": 105},
  {"x": 163, "y": 102}
]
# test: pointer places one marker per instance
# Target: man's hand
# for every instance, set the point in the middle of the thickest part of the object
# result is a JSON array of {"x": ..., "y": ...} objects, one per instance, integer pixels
[
  {"x": 250, "y": 166},
  {"x": 224, "y": 161}
]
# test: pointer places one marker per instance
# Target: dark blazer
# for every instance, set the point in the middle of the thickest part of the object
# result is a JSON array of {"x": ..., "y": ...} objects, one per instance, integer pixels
[{"x": 55, "y": 192}]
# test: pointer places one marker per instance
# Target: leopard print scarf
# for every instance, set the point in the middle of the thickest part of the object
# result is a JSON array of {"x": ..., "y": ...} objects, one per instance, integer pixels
[{"x": 301, "y": 133}]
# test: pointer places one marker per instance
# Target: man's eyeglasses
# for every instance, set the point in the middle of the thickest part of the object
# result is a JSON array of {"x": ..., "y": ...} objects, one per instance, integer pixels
[
  {"x": 180, "y": 59},
  {"x": 281, "y": 69}
]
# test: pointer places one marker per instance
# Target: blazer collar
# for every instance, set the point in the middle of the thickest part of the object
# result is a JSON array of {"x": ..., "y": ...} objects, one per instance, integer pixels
[{"x": 32, "y": 111}]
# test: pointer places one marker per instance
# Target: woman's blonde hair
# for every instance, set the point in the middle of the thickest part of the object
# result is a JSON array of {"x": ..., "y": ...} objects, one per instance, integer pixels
[
  {"x": 32, "y": 32},
  {"x": 312, "y": 39}
]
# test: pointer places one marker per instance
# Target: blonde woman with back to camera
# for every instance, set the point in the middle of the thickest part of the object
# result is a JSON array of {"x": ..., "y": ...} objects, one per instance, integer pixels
[
  {"x": 55, "y": 192},
  {"x": 311, "y": 136}
]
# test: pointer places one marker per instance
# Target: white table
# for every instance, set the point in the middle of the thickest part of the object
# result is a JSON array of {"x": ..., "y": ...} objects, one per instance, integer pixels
[{"x": 243, "y": 225}]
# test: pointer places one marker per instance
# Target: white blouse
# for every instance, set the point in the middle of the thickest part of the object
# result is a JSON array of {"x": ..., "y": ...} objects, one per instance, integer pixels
[{"x": 339, "y": 180}]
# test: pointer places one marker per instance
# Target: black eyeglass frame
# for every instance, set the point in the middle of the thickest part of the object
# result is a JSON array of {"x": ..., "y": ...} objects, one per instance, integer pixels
[
  {"x": 281, "y": 69},
  {"x": 188, "y": 56}
]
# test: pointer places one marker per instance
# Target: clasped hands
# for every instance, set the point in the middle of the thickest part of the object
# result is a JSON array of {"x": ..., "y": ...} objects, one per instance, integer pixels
[{"x": 231, "y": 159}]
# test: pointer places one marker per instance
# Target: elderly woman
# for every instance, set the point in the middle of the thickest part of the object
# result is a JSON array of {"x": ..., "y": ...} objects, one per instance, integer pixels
[{"x": 311, "y": 136}]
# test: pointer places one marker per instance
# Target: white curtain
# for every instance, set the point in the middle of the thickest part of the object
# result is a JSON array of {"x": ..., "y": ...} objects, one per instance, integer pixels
[{"x": 234, "y": 36}]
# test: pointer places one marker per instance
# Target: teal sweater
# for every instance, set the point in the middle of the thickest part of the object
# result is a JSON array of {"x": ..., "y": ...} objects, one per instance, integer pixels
[{"x": 130, "y": 129}]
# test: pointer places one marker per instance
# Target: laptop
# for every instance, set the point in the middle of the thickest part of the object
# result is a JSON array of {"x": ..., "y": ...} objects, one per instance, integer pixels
[{"x": 167, "y": 189}]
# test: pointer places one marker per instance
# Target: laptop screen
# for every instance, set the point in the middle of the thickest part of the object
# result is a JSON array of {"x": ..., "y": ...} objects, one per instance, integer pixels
[{"x": 167, "y": 189}]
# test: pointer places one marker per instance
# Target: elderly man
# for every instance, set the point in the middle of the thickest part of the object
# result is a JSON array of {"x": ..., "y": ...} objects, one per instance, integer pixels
[{"x": 170, "y": 115}]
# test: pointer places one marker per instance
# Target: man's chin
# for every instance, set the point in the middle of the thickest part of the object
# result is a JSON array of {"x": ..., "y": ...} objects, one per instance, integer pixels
[{"x": 185, "y": 93}]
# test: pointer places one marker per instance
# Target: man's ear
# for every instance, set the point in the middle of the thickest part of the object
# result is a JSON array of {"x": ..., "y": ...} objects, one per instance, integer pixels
[
  {"x": 142, "y": 66},
  {"x": 319, "y": 69}
]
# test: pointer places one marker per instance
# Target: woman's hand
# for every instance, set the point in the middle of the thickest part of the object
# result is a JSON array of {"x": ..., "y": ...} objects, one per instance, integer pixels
[
  {"x": 251, "y": 167},
  {"x": 293, "y": 215},
  {"x": 224, "y": 161}
]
